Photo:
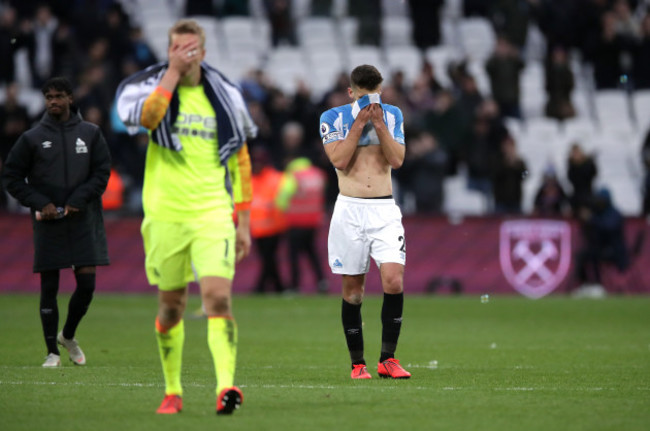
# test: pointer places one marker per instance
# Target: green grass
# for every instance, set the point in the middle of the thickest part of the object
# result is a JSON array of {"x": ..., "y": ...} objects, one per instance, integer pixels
[{"x": 510, "y": 364}]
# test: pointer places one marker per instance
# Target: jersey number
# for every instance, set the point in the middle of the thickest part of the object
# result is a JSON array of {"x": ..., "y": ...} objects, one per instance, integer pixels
[{"x": 403, "y": 241}]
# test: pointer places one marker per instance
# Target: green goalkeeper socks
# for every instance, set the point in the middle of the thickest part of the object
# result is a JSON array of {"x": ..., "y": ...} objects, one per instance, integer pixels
[
  {"x": 222, "y": 339},
  {"x": 170, "y": 347}
]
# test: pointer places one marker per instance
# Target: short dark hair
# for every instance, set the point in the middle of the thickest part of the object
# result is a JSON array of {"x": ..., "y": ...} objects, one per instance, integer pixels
[
  {"x": 366, "y": 77},
  {"x": 57, "y": 83}
]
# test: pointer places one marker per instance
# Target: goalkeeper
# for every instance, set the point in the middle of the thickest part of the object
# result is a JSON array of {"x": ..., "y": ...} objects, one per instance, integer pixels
[{"x": 197, "y": 170}]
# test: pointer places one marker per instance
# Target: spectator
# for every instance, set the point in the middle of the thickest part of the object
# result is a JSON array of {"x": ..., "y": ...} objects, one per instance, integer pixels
[
  {"x": 66, "y": 54},
  {"x": 268, "y": 223},
  {"x": 140, "y": 51},
  {"x": 581, "y": 173},
  {"x": 41, "y": 45},
  {"x": 504, "y": 68},
  {"x": 283, "y": 27},
  {"x": 551, "y": 199},
  {"x": 445, "y": 122},
  {"x": 199, "y": 8},
  {"x": 510, "y": 19},
  {"x": 642, "y": 56},
  {"x": 507, "y": 177},
  {"x": 10, "y": 41},
  {"x": 559, "y": 85},
  {"x": 607, "y": 54},
  {"x": 603, "y": 241},
  {"x": 304, "y": 217},
  {"x": 645, "y": 157},
  {"x": 425, "y": 16},
  {"x": 368, "y": 12},
  {"x": 424, "y": 171},
  {"x": 429, "y": 74},
  {"x": 420, "y": 100},
  {"x": 14, "y": 121},
  {"x": 482, "y": 153},
  {"x": 469, "y": 98}
]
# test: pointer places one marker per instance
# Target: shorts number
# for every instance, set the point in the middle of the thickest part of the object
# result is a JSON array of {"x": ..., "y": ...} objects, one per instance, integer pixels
[{"x": 403, "y": 241}]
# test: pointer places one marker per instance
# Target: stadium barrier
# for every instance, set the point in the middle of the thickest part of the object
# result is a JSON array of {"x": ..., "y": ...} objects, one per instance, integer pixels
[{"x": 476, "y": 255}]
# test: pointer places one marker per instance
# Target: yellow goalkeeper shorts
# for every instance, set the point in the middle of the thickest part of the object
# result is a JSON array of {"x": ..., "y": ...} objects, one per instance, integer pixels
[{"x": 178, "y": 253}]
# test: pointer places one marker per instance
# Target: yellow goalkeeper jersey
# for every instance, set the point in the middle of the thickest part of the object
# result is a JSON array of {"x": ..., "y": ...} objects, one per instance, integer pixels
[{"x": 191, "y": 184}]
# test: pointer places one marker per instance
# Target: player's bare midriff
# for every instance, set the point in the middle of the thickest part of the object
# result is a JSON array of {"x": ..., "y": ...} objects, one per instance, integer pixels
[{"x": 368, "y": 175}]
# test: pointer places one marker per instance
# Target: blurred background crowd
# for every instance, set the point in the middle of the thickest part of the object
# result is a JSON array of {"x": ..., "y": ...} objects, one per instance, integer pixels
[{"x": 511, "y": 106}]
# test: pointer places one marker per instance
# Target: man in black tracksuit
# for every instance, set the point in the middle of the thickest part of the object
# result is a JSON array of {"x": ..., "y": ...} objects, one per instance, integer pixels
[{"x": 67, "y": 164}]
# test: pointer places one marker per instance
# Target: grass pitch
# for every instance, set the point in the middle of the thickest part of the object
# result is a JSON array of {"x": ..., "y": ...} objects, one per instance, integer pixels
[{"x": 509, "y": 364}]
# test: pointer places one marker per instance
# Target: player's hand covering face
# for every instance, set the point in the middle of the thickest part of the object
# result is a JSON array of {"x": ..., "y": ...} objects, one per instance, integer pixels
[{"x": 185, "y": 53}]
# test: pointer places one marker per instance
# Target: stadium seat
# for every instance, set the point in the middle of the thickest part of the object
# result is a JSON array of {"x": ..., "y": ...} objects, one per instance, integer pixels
[
  {"x": 316, "y": 32},
  {"x": 212, "y": 32},
  {"x": 440, "y": 57},
  {"x": 394, "y": 8},
  {"x": 347, "y": 28},
  {"x": 407, "y": 59},
  {"x": 459, "y": 200},
  {"x": 613, "y": 109},
  {"x": 246, "y": 34},
  {"x": 364, "y": 54},
  {"x": 538, "y": 143},
  {"x": 324, "y": 66},
  {"x": 477, "y": 70},
  {"x": 477, "y": 37},
  {"x": 535, "y": 48},
  {"x": 285, "y": 66},
  {"x": 532, "y": 92},
  {"x": 452, "y": 9},
  {"x": 641, "y": 102},
  {"x": 396, "y": 31}
]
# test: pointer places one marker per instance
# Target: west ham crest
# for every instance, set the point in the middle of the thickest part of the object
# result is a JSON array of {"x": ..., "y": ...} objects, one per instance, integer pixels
[{"x": 535, "y": 255}]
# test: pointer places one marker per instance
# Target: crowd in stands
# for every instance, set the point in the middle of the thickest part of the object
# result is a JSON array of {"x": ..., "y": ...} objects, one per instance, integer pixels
[{"x": 453, "y": 125}]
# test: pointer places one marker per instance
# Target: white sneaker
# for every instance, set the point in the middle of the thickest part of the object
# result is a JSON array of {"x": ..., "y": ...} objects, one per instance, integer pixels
[
  {"x": 76, "y": 355},
  {"x": 52, "y": 360}
]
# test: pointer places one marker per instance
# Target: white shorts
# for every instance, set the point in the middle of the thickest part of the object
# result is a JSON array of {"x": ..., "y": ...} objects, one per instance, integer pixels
[{"x": 365, "y": 228}]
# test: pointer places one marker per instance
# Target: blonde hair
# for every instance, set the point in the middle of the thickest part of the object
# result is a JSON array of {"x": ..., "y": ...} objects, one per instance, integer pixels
[{"x": 187, "y": 26}]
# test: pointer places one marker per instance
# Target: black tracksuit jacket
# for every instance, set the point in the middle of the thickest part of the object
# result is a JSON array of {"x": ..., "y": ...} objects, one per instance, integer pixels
[{"x": 66, "y": 164}]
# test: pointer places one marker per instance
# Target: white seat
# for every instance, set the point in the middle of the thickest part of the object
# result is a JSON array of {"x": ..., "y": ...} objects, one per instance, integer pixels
[
  {"x": 459, "y": 200},
  {"x": 285, "y": 66},
  {"x": 396, "y": 31},
  {"x": 324, "y": 66},
  {"x": 347, "y": 28},
  {"x": 408, "y": 59},
  {"x": 394, "y": 8},
  {"x": 538, "y": 143},
  {"x": 246, "y": 34},
  {"x": 535, "y": 48},
  {"x": 316, "y": 32},
  {"x": 364, "y": 54},
  {"x": 613, "y": 109},
  {"x": 477, "y": 37},
  {"x": 641, "y": 102},
  {"x": 440, "y": 57},
  {"x": 477, "y": 70},
  {"x": 452, "y": 9}
]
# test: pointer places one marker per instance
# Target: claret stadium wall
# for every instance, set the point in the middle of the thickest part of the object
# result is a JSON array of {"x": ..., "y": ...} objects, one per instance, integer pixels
[{"x": 476, "y": 255}]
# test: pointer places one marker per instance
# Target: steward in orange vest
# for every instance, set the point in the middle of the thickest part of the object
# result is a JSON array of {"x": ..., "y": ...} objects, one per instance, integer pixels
[
  {"x": 307, "y": 187},
  {"x": 268, "y": 222},
  {"x": 304, "y": 216}
]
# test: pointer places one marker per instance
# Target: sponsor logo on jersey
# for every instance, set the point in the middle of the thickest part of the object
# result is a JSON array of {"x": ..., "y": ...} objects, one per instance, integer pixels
[
  {"x": 331, "y": 137},
  {"x": 337, "y": 263},
  {"x": 324, "y": 129},
  {"x": 81, "y": 146},
  {"x": 46, "y": 144}
]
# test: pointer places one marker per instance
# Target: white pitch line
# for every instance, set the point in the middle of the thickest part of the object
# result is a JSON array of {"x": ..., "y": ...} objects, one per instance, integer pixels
[{"x": 354, "y": 386}]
